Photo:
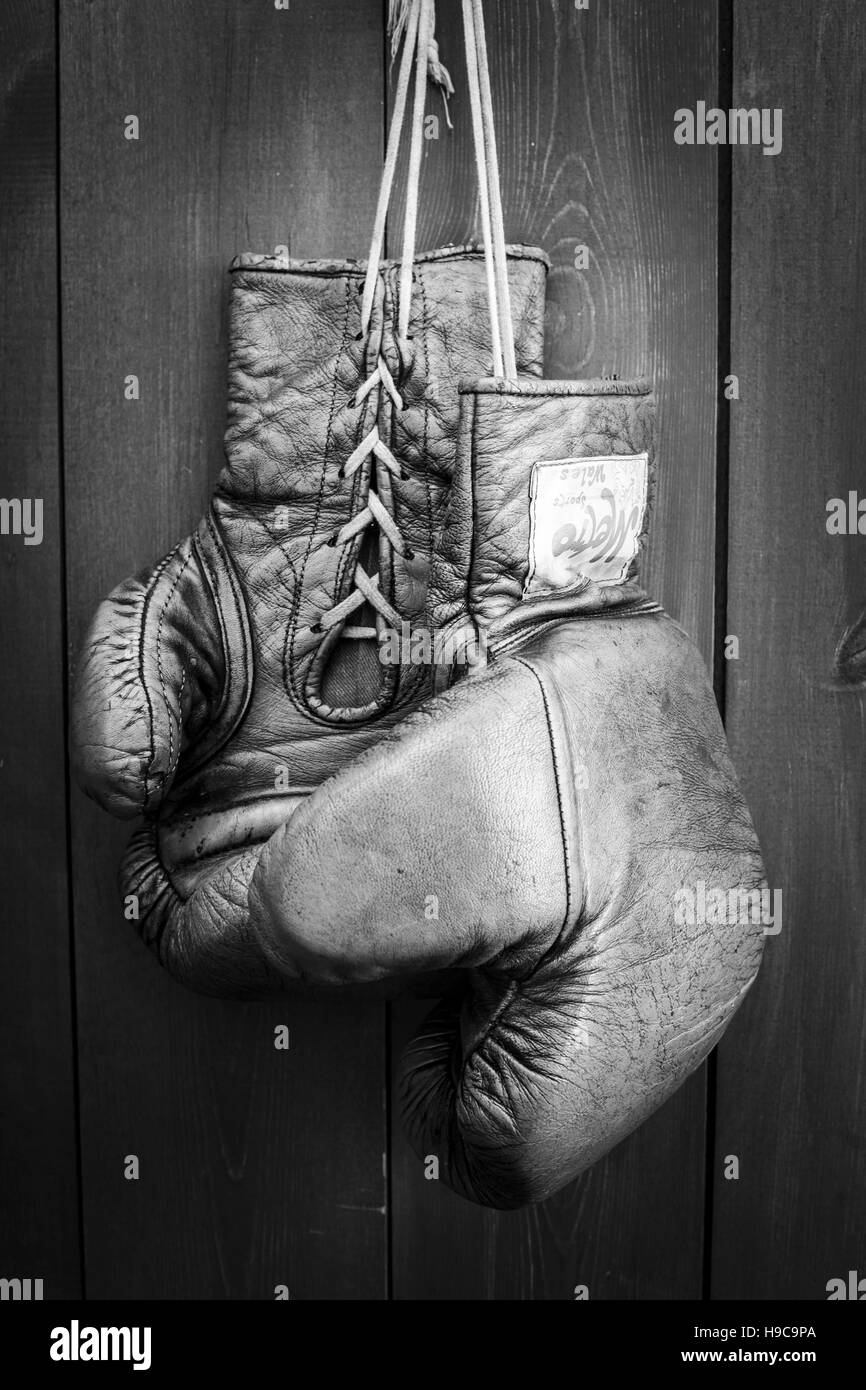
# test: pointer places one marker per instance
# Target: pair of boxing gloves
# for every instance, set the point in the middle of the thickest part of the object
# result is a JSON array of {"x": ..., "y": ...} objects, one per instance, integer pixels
[{"x": 400, "y": 707}]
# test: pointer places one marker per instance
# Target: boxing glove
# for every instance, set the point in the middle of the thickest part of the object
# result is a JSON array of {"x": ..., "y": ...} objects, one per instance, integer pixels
[
  {"x": 542, "y": 823},
  {"x": 214, "y": 692}
]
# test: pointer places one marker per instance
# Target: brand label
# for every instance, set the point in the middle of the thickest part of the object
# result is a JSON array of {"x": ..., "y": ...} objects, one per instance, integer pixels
[{"x": 587, "y": 515}]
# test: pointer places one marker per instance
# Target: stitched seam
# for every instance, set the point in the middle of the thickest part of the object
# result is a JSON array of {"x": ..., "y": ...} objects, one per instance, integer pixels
[
  {"x": 161, "y": 675},
  {"x": 557, "y": 777},
  {"x": 426, "y": 426},
  {"x": 243, "y": 629},
  {"x": 146, "y": 600},
  {"x": 357, "y": 269},
  {"x": 549, "y": 387},
  {"x": 289, "y": 645},
  {"x": 385, "y": 410},
  {"x": 350, "y": 555},
  {"x": 570, "y": 905},
  {"x": 217, "y": 602},
  {"x": 513, "y": 993},
  {"x": 412, "y": 679},
  {"x": 400, "y": 682},
  {"x": 173, "y": 765},
  {"x": 473, "y": 439},
  {"x": 346, "y": 564}
]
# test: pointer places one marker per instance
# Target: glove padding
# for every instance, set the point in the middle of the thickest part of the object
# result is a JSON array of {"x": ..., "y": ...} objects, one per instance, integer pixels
[
  {"x": 215, "y": 692},
  {"x": 534, "y": 825}
]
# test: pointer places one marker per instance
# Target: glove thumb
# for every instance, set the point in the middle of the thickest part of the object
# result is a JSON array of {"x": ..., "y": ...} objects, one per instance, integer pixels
[{"x": 441, "y": 846}]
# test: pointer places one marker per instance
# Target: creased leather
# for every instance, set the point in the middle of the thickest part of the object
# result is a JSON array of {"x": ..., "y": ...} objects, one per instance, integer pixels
[
  {"x": 481, "y": 566},
  {"x": 532, "y": 826},
  {"x": 205, "y": 698}
]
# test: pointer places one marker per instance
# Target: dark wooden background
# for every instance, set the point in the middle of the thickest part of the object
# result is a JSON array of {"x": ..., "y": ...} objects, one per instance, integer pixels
[{"x": 261, "y": 127}]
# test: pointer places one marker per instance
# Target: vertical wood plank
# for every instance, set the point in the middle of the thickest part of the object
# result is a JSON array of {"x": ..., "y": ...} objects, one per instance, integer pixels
[
  {"x": 791, "y": 1090},
  {"x": 585, "y": 103},
  {"x": 258, "y": 127},
  {"x": 39, "y": 1225}
]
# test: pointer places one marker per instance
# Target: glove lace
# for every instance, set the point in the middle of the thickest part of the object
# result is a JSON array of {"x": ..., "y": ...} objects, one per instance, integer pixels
[
  {"x": 366, "y": 586},
  {"x": 413, "y": 19}
]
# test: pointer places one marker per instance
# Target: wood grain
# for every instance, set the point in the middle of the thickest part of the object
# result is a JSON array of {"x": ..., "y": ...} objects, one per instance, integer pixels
[
  {"x": 792, "y": 1097},
  {"x": 585, "y": 102},
  {"x": 39, "y": 1225},
  {"x": 258, "y": 127}
]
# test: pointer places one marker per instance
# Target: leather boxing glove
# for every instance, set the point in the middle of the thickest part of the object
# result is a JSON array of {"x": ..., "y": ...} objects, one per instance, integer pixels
[
  {"x": 216, "y": 691},
  {"x": 542, "y": 822}
]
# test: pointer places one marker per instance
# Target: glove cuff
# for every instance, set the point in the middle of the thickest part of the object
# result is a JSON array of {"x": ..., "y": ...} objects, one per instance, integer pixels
[
  {"x": 298, "y": 361},
  {"x": 550, "y": 505}
]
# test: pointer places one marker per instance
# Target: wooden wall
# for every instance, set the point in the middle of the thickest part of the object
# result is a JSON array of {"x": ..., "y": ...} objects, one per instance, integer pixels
[
  {"x": 39, "y": 1208},
  {"x": 259, "y": 127},
  {"x": 791, "y": 1099}
]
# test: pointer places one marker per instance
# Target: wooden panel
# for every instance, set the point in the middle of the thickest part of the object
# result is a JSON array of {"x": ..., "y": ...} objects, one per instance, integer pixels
[
  {"x": 258, "y": 126},
  {"x": 792, "y": 1104},
  {"x": 585, "y": 103},
  {"x": 39, "y": 1226}
]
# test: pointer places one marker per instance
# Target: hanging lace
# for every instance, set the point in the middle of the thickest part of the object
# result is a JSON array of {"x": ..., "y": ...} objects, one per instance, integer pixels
[
  {"x": 414, "y": 21},
  {"x": 398, "y": 18},
  {"x": 366, "y": 588}
]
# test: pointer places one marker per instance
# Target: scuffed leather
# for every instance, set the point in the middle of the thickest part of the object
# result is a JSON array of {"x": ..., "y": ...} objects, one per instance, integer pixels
[
  {"x": 205, "y": 698},
  {"x": 532, "y": 826},
  {"x": 481, "y": 566}
]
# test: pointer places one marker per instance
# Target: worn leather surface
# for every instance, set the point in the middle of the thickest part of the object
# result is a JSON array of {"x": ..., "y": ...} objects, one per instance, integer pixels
[
  {"x": 206, "y": 698},
  {"x": 532, "y": 827},
  {"x": 482, "y": 563}
]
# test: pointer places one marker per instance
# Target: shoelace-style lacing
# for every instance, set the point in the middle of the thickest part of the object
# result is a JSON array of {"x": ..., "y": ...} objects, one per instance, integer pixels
[
  {"x": 419, "y": 23},
  {"x": 366, "y": 588},
  {"x": 416, "y": 19}
]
